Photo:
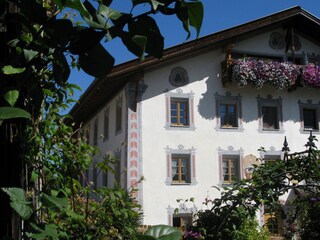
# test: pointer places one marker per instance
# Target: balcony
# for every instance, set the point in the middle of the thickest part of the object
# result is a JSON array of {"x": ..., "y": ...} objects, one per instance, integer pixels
[{"x": 259, "y": 73}]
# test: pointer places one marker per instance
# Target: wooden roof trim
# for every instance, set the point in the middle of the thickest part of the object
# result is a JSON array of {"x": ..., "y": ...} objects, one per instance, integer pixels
[{"x": 124, "y": 70}]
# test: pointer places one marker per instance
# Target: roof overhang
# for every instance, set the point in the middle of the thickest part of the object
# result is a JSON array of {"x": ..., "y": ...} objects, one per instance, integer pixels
[{"x": 103, "y": 89}]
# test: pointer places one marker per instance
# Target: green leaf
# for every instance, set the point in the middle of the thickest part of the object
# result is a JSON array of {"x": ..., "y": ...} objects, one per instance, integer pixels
[
  {"x": 84, "y": 40},
  {"x": 61, "y": 70},
  {"x": 74, "y": 4},
  {"x": 29, "y": 54},
  {"x": 145, "y": 237},
  {"x": 190, "y": 14},
  {"x": 12, "y": 112},
  {"x": 60, "y": 203},
  {"x": 141, "y": 41},
  {"x": 153, "y": 3},
  {"x": 164, "y": 232},
  {"x": 11, "y": 97},
  {"x": 49, "y": 232},
  {"x": 19, "y": 202},
  {"x": 195, "y": 13},
  {"x": 61, "y": 31},
  {"x": 8, "y": 70},
  {"x": 147, "y": 26},
  {"x": 97, "y": 62}
]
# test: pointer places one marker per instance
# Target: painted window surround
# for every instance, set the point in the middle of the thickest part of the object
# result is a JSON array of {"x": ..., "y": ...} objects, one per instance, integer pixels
[
  {"x": 228, "y": 99},
  {"x": 179, "y": 94},
  {"x": 270, "y": 102},
  {"x": 182, "y": 151}
]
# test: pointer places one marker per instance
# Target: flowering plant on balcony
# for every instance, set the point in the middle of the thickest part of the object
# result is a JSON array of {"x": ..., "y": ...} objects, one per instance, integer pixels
[
  {"x": 258, "y": 73},
  {"x": 311, "y": 75}
]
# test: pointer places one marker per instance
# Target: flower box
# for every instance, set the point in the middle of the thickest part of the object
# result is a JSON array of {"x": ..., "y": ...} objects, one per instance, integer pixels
[{"x": 259, "y": 73}]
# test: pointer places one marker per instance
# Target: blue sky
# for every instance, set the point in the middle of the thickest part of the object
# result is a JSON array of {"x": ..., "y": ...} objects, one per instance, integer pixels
[{"x": 218, "y": 15}]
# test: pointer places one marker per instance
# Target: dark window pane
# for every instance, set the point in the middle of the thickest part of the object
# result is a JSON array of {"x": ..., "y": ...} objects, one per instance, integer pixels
[
  {"x": 270, "y": 117},
  {"x": 310, "y": 118}
]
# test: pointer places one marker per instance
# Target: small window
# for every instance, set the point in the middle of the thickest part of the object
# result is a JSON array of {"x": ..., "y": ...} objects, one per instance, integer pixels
[
  {"x": 180, "y": 168},
  {"x": 230, "y": 169},
  {"x": 105, "y": 179},
  {"x": 228, "y": 112},
  {"x": 94, "y": 175},
  {"x": 119, "y": 115},
  {"x": 309, "y": 116},
  {"x": 270, "y": 118},
  {"x": 228, "y": 115},
  {"x": 179, "y": 112},
  {"x": 273, "y": 223},
  {"x": 310, "y": 119},
  {"x": 181, "y": 220},
  {"x": 106, "y": 125},
  {"x": 117, "y": 168},
  {"x": 270, "y": 114},
  {"x": 179, "y": 109},
  {"x": 95, "y": 133}
]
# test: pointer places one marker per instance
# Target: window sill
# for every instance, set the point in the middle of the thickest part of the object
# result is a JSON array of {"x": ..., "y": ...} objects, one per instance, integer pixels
[
  {"x": 277, "y": 131},
  {"x": 308, "y": 130},
  {"x": 170, "y": 183},
  {"x": 230, "y": 129},
  {"x": 180, "y": 127}
]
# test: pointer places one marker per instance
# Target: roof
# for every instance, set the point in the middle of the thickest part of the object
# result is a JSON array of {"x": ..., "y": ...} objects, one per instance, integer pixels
[{"x": 103, "y": 89}]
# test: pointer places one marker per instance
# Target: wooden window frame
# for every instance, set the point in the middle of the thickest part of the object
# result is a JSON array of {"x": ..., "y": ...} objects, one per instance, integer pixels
[
  {"x": 229, "y": 100},
  {"x": 229, "y": 160},
  {"x": 178, "y": 102},
  {"x": 179, "y": 158},
  {"x": 180, "y": 96}
]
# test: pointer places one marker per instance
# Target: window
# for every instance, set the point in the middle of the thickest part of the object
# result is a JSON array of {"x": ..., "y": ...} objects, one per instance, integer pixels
[
  {"x": 228, "y": 115},
  {"x": 118, "y": 115},
  {"x": 228, "y": 112},
  {"x": 272, "y": 222},
  {"x": 117, "y": 167},
  {"x": 106, "y": 125},
  {"x": 270, "y": 114},
  {"x": 310, "y": 118},
  {"x": 231, "y": 164},
  {"x": 181, "y": 220},
  {"x": 309, "y": 113},
  {"x": 94, "y": 174},
  {"x": 230, "y": 169},
  {"x": 105, "y": 178},
  {"x": 181, "y": 166},
  {"x": 95, "y": 133},
  {"x": 179, "y": 110}
]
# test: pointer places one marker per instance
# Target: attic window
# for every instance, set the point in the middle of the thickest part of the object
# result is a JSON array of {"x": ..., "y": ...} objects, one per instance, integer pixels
[{"x": 178, "y": 77}]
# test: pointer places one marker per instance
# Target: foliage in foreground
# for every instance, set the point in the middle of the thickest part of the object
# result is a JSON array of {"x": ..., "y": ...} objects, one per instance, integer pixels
[
  {"x": 56, "y": 205},
  {"x": 231, "y": 216}
]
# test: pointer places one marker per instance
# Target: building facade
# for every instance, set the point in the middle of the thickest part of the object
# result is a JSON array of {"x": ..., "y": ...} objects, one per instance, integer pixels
[{"x": 198, "y": 117}]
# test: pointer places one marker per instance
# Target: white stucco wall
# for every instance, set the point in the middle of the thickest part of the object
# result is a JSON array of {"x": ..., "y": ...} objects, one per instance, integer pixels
[{"x": 205, "y": 80}]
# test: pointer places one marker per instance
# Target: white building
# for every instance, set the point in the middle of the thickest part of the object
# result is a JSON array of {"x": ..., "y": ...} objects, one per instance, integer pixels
[{"x": 184, "y": 126}]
